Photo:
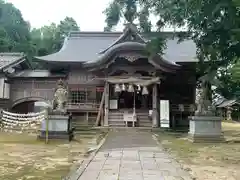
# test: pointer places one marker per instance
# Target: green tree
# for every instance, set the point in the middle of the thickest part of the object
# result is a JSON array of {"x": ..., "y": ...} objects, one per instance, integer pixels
[
  {"x": 213, "y": 25},
  {"x": 230, "y": 79},
  {"x": 129, "y": 10},
  {"x": 49, "y": 39},
  {"x": 14, "y": 30},
  {"x": 67, "y": 25}
]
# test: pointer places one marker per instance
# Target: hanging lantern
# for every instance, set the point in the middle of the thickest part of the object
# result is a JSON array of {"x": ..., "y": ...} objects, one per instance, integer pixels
[
  {"x": 117, "y": 88},
  {"x": 145, "y": 90},
  {"x": 123, "y": 87},
  {"x": 139, "y": 87},
  {"x": 130, "y": 88}
]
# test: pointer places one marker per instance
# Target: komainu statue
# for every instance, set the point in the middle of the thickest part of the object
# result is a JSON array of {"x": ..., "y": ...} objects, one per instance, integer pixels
[
  {"x": 203, "y": 105},
  {"x": 60, "y": 97}
]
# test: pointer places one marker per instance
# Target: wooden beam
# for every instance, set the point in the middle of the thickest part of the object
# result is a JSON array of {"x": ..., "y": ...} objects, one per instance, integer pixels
[{"x": 101, "y": 106}]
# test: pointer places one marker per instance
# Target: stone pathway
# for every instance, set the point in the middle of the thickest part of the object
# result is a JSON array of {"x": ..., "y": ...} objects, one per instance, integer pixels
[{"x": 132, "y": 155}]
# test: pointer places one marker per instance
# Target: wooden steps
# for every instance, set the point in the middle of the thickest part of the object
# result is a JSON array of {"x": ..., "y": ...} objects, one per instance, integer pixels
[
  {"x": 143, "y": 119},
  {"x": 115, "y": 119}
]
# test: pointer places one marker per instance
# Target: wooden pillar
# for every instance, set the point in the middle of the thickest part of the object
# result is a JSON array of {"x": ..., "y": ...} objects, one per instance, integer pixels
[
  {"x": 106, "y": 107},
  {"x": 154, "y": 107},
  {"x": 87, "y": 117}
]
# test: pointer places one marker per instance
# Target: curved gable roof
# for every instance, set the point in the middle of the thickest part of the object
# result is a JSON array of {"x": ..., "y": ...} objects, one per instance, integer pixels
[{"x": 84, "y": 47}]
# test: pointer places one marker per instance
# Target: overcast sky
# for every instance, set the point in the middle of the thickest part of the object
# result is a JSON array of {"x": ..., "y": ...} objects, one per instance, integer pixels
[{"x": 87, "y": 13}]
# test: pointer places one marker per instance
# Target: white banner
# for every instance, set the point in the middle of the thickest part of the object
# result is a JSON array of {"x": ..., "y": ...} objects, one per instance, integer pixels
[
  {"x": 113, "y": 104},
  {"x": 164, "y": 113}
]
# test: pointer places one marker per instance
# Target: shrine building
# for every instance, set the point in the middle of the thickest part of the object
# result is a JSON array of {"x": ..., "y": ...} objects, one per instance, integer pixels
[{"x": 110, "y": 76}]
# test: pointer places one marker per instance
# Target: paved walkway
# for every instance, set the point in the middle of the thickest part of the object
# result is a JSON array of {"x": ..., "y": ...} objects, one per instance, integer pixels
[{"x": 132, "y": 155}]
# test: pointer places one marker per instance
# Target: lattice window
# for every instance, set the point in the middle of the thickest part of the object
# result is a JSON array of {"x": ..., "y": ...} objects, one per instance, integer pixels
[{"x": 78, "y": 96}]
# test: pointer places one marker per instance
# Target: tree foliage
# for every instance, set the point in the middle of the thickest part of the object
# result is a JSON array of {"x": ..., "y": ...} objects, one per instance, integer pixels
[
  {"x": 14, "y": 30},
  {"x": 129, "y": 11},
  {"x": 49, "y": 39},
  {"x": 214, "y": 25},
  {"x": 16, "y": 35},
  {"x": 231, "y": 82}
]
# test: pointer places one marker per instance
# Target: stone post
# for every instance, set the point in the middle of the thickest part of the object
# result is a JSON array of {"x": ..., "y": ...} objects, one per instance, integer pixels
[
  {"x": 154, "y": 107},
  {"x": 106, "y": 106}
]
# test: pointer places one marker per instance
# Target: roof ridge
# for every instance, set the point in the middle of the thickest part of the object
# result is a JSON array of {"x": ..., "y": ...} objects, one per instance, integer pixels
[{"x": 73, "y": 34}]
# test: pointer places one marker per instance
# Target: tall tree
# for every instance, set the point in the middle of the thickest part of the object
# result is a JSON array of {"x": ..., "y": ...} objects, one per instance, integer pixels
[
  {"x": 14, "y": 30},
  {"x": 230, "y": 78},
  {"x": 46, "y": 39},
  {"x": 213, "y": 25},
  {"x": 67, "y": 25},
  {"x": 129, "y": 10},
  {"x": 49, "y": 39}
]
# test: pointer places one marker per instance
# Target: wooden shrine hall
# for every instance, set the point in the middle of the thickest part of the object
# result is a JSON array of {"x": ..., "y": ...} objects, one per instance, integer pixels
[{"x": 112, "y": 80}]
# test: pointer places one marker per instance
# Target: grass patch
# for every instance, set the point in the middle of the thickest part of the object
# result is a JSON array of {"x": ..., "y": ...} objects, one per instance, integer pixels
[
  {"x": 22, "y": 156},
  {"x": 208, "y": 161}
]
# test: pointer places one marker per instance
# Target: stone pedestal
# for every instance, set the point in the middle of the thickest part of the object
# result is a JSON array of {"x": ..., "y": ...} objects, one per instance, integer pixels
[
  {"x": 205, "y": 129},
  {"x": 59, "y": 127}
]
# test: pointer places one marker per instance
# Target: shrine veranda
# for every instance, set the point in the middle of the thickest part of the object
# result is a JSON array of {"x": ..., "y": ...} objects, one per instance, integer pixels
[{"x": 109, "y": 76}]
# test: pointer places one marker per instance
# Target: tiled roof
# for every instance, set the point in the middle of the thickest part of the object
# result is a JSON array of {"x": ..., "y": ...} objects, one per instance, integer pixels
[
  {"x": 82, "y": 47},
  {"x": 9, "y": 58},
  {"x": 37, "y": 74},
  {"x": 228, "y": 103},
  {"x": 87, "y": 46}
]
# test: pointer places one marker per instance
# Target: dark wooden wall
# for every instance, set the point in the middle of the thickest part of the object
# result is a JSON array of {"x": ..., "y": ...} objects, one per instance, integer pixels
[{"x": 24, "y": 88}]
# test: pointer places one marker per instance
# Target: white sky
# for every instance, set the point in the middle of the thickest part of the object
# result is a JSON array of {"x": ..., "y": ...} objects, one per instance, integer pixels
[{"x": 88, "y": 13}]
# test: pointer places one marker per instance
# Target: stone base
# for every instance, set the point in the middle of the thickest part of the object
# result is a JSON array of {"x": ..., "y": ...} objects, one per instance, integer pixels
[
  {"x": 59, "y": 127},
  {"x": 205, "y": 139},
  {"x": 56, "y": 135},
  {"x": 205, "y": 129}
]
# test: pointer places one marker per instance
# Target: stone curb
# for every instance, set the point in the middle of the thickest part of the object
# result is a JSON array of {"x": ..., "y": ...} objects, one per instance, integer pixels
[{"x": 84, "y": 163}]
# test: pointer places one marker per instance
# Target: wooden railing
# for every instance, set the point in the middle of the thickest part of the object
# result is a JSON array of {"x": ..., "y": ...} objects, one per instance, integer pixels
[
  {"x": 187, "y": 108},
  {"x": 88, "y": 106}
]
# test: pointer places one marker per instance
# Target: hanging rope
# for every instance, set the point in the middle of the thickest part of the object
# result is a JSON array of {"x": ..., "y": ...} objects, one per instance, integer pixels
[{"x": 13, "y": 122}]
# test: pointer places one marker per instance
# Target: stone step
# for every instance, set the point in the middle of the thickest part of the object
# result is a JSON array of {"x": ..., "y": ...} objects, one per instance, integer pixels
[
  {"x": 117, "y": 125},
  {"x": 86, "y": 132},
  {"x": 92, "y": 133},
  {"x": 144, "y": 125},
  {"x": 83, "y": 124},
  {"x": 86, "y": 136},
  {"x": 92, "y": 128}
]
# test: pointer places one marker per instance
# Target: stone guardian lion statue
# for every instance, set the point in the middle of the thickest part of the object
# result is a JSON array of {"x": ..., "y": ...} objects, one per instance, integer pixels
[{"x": 60, "y": 97}]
